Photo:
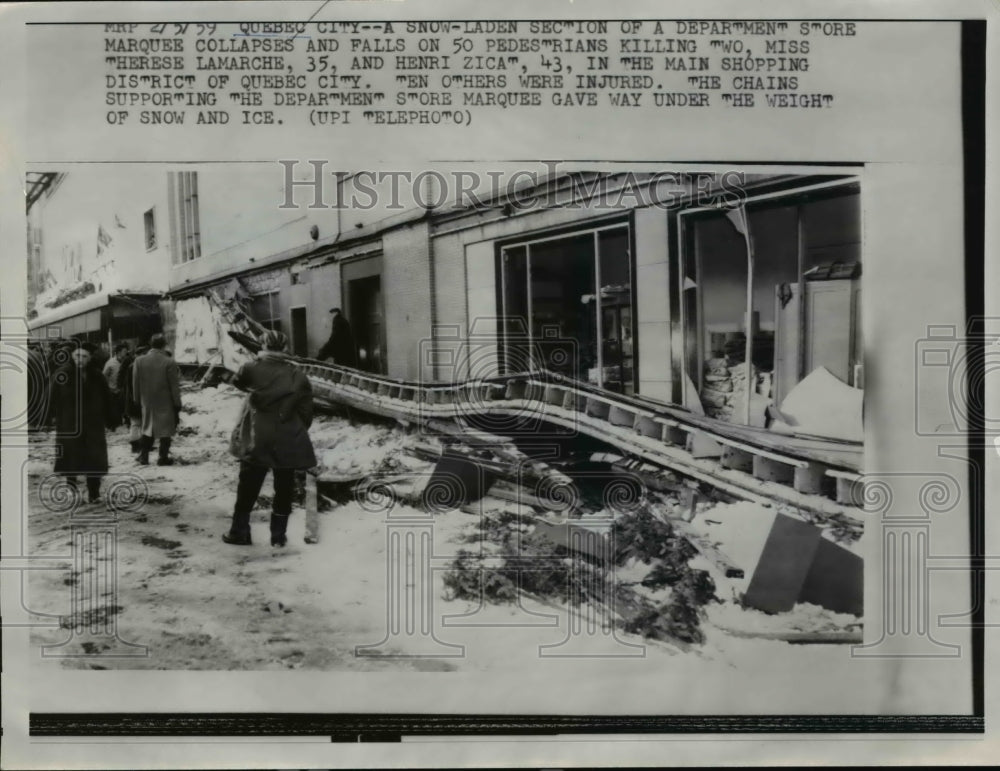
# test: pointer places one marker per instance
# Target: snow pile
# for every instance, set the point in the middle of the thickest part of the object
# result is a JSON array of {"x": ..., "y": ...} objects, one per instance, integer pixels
[
  {"x": 211, "y": 412},
  {"x": 344, "y": 448},
  {"x": 804, "y": 617},
  {"x": 201, "y": 336},
  {"x": 823, "y": 405},
  {"x": 739, "y": 530}
]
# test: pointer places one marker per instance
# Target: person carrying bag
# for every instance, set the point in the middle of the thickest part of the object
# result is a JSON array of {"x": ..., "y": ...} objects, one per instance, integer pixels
[{"x": 272, "y": 434}]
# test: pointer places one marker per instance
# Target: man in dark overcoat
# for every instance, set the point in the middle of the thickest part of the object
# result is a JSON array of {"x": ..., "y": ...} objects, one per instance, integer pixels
[
  {"x": 272, "y": 434},
  {"x": 341, "y": 346},
  {"x": 81, "y": 407}
]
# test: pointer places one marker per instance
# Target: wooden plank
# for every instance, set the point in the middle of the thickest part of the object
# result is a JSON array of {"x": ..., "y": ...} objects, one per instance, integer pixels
[
  {"x": 598, "y": 408},
  {"x": 770, "y": 470},
  {"x": 809, "y": 478},
  {"x": 619, "y": 416},
  {"x": 516, "y": 389},
  {"x": 647, "y": 427},
  {"x": 554, "y": 394},
  {"x": 312, "y": 509},
  {"x": 574, "y": 401},
  {"x": 736, "y": 458},
  {"x": 675, "y": 436},
  {"x": 701, "y": 445},
  {"x": 848, "y": 491},
  {"x": 749, "y": 448},
  {"x": 662, "y": 453}
]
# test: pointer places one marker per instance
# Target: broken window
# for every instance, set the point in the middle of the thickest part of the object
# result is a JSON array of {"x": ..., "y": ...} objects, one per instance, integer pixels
[{"x": 803, "y": 297}]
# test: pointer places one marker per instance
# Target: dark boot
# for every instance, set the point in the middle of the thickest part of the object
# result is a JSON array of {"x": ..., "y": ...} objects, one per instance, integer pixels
[
  {"x": 93, "y": 489},
  {"x": 284, "y": 487},
  {"x": 279, "y": 524},
  {"x": 145, "y": 445},
  {"x": 165, "y": 459},
  {"x": 251, "y": 478}
]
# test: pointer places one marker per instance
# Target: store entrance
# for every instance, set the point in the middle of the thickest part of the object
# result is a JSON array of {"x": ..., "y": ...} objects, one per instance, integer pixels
[
  {"x": 365, "y": 298},
  {"x": 568, "y": 309}
]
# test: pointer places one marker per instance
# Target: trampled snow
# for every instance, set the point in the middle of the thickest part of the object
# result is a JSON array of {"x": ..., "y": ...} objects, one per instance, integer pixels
[{"x": 198, "y": 603}]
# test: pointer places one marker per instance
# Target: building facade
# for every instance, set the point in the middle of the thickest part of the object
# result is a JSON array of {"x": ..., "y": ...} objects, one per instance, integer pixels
[
  {"x": 97, "y": 254},
  {"x": 638, "y": 283}
]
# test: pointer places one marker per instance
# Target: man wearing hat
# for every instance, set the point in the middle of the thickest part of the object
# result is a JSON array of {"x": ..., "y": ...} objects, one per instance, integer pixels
[
  {"x": 81, "y": 408},
  {"x": 341, "y": 345},
  {"x": 272, "y": 435}
]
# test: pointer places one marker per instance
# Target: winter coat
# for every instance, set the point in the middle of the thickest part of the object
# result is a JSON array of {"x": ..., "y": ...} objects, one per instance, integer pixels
[
  {"x": 81, "y": 408},
  {"x": 132, "y": 407},
  {"x": 156, "y": 386},
  {"x": 340, "y": 346},
  {"x": 273, "y": 428}
]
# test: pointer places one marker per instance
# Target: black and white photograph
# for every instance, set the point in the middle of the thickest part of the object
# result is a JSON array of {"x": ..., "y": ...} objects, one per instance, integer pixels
[
  {"x": 608, "y": 414},
  {"x": 444, "y": 385}
]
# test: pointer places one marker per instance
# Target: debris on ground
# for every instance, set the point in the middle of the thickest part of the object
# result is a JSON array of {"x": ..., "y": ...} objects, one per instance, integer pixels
[{"x": 198, "y": 603}]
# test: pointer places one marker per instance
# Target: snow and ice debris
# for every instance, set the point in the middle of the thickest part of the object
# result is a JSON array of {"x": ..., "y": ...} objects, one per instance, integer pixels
[
  {"x": 204, "y": 605},
  {"x": 201, "y": 336},
  {"x": 804, "y": 617}
]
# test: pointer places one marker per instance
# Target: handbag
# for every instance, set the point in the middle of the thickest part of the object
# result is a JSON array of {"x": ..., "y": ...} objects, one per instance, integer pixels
[{"x": 241, "y": 440}]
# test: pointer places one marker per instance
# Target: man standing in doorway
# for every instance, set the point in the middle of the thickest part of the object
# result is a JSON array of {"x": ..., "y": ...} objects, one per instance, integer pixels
[
  {"x": 340, "y": 347},
  {"x": 156, "y": 387}
]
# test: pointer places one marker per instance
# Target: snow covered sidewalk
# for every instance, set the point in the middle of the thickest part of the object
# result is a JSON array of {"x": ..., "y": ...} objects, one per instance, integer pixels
[{"x": 198, "y": 603}]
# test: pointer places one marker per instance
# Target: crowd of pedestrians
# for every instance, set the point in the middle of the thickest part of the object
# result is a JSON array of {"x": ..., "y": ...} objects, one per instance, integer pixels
[{"x": 81, "y": 393}]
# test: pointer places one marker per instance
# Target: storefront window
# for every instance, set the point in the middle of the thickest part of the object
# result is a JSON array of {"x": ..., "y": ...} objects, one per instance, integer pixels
[
  {"x": 804, "y": 295},
  {"x": 567, "y": 307}
]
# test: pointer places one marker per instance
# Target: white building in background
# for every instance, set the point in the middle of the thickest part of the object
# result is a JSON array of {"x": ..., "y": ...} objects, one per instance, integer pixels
[{"x": 97, "y": 246}]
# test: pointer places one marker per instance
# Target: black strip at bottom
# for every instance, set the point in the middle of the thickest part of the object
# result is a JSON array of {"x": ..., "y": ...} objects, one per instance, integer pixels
[{"x": 389, "y": 727}]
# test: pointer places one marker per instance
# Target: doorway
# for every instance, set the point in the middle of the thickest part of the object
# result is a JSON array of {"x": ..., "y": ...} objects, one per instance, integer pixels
[
  {"x": 300, "y": 342},
  {"x": 364, "y": 297}
]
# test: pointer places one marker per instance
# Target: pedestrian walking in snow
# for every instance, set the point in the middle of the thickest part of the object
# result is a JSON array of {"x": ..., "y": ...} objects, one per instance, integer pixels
[
  {"x": 341, "y": 346},
  {"x": 156, "y": 386},
  {"x": 272, "y": 434},
  {"x": 80, "y": 405}
]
